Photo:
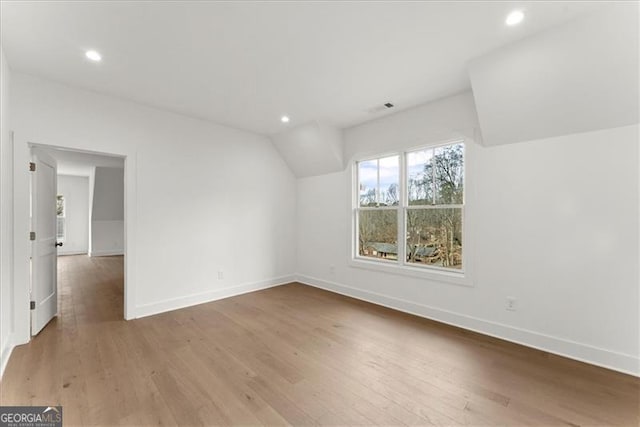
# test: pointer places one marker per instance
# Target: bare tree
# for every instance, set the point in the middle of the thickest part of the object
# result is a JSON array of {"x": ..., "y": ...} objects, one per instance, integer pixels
[{"x": 392, "y": 197}]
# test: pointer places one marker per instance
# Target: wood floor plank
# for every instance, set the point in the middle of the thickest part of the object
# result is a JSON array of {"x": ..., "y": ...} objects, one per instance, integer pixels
[{"x": 292, "y": 355}]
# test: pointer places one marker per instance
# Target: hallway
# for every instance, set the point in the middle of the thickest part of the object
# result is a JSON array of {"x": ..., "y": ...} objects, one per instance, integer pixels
[{"x": 91, "y": 289}]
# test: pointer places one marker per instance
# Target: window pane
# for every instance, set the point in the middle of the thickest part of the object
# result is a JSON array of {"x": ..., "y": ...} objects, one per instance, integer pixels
[
  {"x": 378, "y": 182},
  {"x": 434, "y": 237},
  {"x": 368, "y": 182},
  {"x": 60, "y": 228},
  {"x": 389, "y": 180},
  {"x": 448, "y": 163},
  {"x": 420, "y": 177},
  {"x": 377, "y": 233},
  {"x": 60, "y": 205}
]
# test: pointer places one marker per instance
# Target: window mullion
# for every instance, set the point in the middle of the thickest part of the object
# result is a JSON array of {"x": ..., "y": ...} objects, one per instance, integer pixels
[
  {"x": 402, "y": 233},
  {"x": 378, "y": 183},
  {"x": 433, "y": 176},
  {"x": 356, "y": 235}
]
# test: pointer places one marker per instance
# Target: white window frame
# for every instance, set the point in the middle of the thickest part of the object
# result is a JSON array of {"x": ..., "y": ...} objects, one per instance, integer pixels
[
  {"x": 401, "y": 266},
  {"x": 358, "y": 208}
]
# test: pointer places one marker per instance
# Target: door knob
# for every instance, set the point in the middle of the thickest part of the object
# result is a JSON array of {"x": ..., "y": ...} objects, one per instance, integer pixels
[{"x": 58, "y": 243}]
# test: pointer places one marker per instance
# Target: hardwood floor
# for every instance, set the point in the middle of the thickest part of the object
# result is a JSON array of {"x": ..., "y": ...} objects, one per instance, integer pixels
[{"x": 292, "y": 355}]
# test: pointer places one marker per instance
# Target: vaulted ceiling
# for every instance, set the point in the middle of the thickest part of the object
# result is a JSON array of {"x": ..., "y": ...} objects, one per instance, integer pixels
[{"x": 245, "y": 64}]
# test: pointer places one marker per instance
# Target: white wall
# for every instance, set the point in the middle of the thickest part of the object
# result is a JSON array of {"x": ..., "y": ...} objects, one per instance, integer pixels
[
  {"x": 75, "y": 190},
  {"x": 199, "y": 198},
  {"x": 553, "y": 223},
  {"x": 6, "y": 217},
  {"x": 107, "y": 238},
  {"x": 107, "y": 213}
]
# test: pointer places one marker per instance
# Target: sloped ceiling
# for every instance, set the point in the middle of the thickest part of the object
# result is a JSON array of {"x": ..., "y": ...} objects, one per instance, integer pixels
[
  {"x": 578, "y": 77},
  {"x": 78, "y": 163},
  {"x": 569, "y": 67},
  {"x": 311, "y": 149},
  {"x": 246, "y": 63}
]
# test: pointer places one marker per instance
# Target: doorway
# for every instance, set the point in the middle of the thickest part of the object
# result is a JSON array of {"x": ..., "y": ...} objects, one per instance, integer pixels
[{"x": 83, "y": 211}]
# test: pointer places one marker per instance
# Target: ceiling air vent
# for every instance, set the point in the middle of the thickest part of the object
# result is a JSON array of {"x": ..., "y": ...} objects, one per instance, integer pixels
[{"x": 379, "y": 108}]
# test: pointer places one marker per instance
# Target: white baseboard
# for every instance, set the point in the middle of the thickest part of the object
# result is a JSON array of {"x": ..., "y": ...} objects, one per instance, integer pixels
[
  {"x": 60, "y": 253},
  {"x": 6, "y": 354},
  {"x": 201, "y": 298},
  {"x": 107, "y": 252},
  {"x": 616, "y": 361}
]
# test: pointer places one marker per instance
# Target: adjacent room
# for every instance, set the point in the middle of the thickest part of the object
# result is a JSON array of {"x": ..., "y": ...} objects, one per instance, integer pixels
[
  {"x": 320, "y": 213},
  {"x": 89, "y": 233}
]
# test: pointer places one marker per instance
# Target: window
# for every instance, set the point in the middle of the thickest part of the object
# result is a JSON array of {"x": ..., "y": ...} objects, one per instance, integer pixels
[
  {"x": 60, "y": 212},
  {"x": 378, "y": 205},
  {"x": 410, "y": 208}
]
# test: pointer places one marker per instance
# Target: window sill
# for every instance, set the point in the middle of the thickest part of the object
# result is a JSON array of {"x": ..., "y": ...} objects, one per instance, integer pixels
[{"x": 391, "y": 267}]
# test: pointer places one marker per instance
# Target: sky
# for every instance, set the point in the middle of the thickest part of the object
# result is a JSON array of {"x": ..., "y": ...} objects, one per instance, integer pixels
[
  {"x": 390, "y": 170},
  {"x": 389, "y": 173},
  {"x": 416, "y": 162}
]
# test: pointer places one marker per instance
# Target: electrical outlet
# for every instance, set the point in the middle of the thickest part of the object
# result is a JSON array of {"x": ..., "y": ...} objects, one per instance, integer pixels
[
  {"x": 511, "y": 304},
  {"x": 220, "y": 275}
]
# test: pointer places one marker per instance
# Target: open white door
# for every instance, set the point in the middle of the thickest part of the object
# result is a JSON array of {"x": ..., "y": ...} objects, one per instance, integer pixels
[{"x": 44, "y": 286}]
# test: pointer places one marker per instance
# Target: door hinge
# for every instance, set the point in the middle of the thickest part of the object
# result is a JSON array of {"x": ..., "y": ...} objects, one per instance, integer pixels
[
  {"x": 32, "y": 167},
  {"x": 32, "y": 305},
  {"x": 32, "y": 235}
]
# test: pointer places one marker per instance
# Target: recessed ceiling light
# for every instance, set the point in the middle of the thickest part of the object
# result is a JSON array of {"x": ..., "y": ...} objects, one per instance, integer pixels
[
  {"x": 284, "y": 119},
  {"x": 514, "y": 18},
  {"x": 93, "y": 55}
]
